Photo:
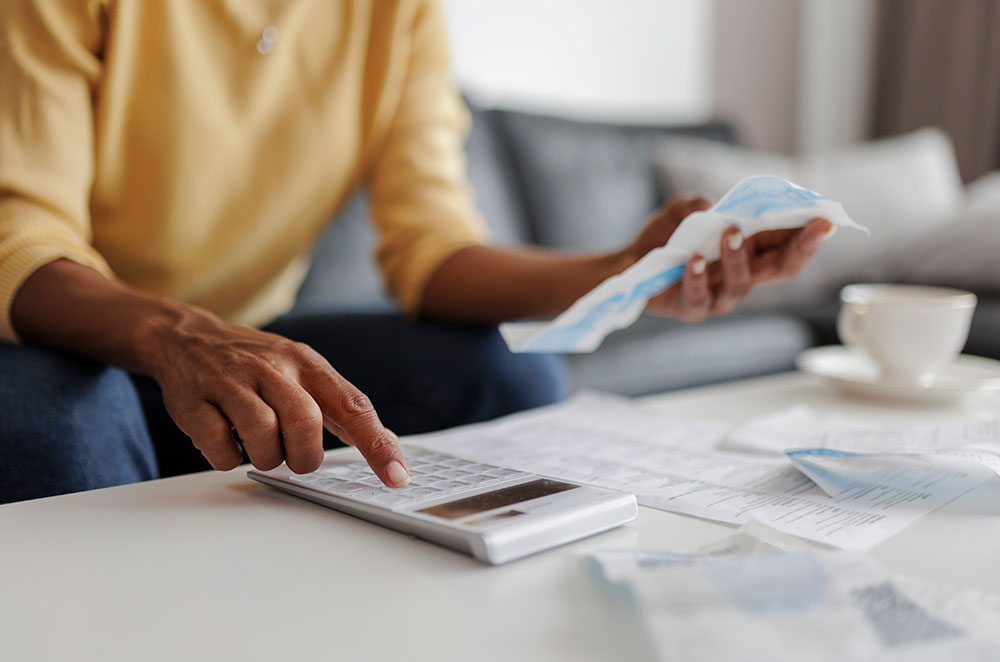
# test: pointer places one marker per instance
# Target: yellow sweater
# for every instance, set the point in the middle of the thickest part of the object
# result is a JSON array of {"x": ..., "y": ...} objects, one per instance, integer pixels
[{"x": 160, "y": 141}]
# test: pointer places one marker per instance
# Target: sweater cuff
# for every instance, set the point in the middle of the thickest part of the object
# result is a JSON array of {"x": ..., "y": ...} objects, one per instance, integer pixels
[
  {"x": 410, "y": 289},
  {"x": 17, "y": 266}
]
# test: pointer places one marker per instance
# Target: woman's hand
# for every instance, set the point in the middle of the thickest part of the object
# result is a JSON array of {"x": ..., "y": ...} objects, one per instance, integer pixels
[
  {"x": 714, "y": 289},
  {"x": 275, "y": 394}
]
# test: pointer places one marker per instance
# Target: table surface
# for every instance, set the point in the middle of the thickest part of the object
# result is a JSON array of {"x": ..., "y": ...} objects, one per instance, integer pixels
[{"x": 215, "y": 566}]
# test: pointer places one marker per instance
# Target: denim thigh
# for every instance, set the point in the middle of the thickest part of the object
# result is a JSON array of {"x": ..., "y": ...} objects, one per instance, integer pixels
[
  {"x": 422, "y": 375},
  {"x": 67, "y": 424}
]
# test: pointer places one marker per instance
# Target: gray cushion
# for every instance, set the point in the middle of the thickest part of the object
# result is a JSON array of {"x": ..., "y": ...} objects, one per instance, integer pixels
[
  {"x": 658, "y": 354},
  {"x": 587, "y": 185},
  {"x": 984, "y": 336},
  {"x": 343, "y": 273},
  {"x": 493, "y": 182}
]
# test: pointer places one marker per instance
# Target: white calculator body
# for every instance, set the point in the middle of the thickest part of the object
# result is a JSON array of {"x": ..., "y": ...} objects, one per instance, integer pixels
[{"x": 494, "y": 514}]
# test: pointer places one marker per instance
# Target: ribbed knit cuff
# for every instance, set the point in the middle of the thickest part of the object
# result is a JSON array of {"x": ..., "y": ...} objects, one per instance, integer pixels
[
  {"x": 411, "y": 287},
  {"x": 16, "y": 267}
]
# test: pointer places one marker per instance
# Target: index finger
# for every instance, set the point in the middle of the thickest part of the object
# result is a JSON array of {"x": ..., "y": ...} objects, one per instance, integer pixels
[
  {"x": 349, "y": 411},
  {"x": 805, "y": 245}
]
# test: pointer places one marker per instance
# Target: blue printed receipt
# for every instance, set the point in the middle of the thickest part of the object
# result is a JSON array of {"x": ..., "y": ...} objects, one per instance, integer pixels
[{"x": 762, "y": 202}]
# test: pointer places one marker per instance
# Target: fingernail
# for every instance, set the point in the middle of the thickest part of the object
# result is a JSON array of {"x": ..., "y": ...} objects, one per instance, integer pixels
[
  {"x": 735, "y": 241},
  {"x": 829, "y": 233},
  {"x": 698, "y": 267},
  {"x": 397, "y": 474}
]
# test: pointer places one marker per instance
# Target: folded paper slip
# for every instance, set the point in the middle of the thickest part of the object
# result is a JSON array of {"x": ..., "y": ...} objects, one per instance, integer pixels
[{"x": 756, "y": 204}]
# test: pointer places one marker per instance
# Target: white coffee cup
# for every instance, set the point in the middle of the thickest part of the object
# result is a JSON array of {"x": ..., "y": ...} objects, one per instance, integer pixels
[{"x": 910, "y": 331}]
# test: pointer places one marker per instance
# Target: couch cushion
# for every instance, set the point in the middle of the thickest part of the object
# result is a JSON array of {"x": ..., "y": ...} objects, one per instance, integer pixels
[
  {"x": 984, "y": 336},
  {"x": 587, "y": 185},
  {"x": 343, "y": 274},
  {"x": 659, "y": 354},
  {"x": 962, "y": 254},
  {"x": 493, "y": 181}
]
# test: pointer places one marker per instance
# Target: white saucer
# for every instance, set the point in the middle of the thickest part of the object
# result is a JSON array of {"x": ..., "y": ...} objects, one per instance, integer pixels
[{"x": 967, "y": 378}]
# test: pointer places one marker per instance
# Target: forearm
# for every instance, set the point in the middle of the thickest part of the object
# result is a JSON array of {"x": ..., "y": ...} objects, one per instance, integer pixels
[
  {"x": 67, "y": 306},
  {"x": 215, "y": 377},
  {"x": 489, "y": 284}
]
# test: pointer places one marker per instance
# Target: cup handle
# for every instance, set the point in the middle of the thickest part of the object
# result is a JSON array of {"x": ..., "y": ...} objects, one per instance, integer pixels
[{"x": 850, "y": 324}]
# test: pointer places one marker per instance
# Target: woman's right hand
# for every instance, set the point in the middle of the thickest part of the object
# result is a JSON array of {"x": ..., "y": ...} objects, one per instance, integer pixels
[{"x": 276, "y": 394}]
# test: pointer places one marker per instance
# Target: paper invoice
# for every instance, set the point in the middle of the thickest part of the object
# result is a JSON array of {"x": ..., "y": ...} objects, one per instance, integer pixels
[
  {"x": 674, "y": 464},
  {"x": 845, "y": 447},
  {"x": 762, "y": 202}
]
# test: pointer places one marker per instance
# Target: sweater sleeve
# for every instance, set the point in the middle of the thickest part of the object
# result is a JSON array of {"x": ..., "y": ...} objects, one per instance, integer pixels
[
  {"x": 421, "y": 203},
  {"x": 49, "y": 69}
]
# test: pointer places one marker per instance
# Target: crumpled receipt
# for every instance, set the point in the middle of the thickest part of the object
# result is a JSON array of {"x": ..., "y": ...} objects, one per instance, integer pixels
[
  {"x": 744, "y": 600},
  {"x": 762, "y": 202}
]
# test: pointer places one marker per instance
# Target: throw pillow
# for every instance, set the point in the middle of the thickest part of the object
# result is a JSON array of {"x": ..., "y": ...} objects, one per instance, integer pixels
[
  {"x": 899, "y": 187},
  {"x": 962, "y": 254}
]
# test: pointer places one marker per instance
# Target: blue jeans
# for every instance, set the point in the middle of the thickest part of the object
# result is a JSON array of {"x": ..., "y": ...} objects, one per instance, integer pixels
[{"x": 69, "y": 424}]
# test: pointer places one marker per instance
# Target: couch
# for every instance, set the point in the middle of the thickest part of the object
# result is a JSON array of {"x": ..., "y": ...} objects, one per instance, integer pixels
[{"x": 578, "y": 185}]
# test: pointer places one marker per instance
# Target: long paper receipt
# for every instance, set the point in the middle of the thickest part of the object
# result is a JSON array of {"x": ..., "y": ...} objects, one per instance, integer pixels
[
  {"x": 745, "y": 603},
  {"x": 756, "y": 204}
]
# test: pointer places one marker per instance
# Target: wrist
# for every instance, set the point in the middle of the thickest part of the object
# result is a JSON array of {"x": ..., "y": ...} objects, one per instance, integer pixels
[
  {"x": 624, "y": 259},
  {"x": 162, "y": 331}
]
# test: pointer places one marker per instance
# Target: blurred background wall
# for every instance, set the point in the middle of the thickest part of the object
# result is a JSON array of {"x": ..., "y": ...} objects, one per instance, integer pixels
[
  {"x": 641, "y": 60},
  {"x": 796, "y": 76}
]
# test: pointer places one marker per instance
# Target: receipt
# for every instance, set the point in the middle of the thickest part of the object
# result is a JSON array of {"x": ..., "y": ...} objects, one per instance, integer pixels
[
  {"x": 759, "y": 203},
  {"x": 847, "y": 450},
  {"x": 907, "y": 476},
  {"x": 752, "y": 604}
]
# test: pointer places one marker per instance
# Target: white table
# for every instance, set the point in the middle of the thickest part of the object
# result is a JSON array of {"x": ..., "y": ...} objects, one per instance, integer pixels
[{"x": 214, "y": 566}]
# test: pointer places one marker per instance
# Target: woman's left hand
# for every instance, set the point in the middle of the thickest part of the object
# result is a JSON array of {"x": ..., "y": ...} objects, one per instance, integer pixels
[{"x": 709, "y": 289}]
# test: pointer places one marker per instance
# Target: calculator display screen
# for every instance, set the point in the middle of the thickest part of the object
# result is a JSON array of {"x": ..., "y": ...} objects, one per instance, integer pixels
[{"x": 506, "y": 496}]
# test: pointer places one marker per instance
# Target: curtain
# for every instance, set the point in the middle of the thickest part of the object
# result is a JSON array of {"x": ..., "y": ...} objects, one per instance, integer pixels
[{"x": 938, "y": 64}]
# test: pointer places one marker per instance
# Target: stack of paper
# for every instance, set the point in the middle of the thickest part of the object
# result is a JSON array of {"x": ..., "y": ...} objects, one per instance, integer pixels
[{"x": 678, "y": 465}]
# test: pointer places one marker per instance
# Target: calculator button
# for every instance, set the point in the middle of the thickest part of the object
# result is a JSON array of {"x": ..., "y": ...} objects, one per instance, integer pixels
[{"x": 432, "y": 476}]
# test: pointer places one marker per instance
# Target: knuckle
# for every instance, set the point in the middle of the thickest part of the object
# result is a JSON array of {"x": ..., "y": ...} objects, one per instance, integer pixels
[
  {"x": 740, "y": 290},
  {"x": 697, "y": 300},
  {"x": 382, "y": 446},
  {"x": 307, "y": 357},
  {"x": 356, "y": 404},
  {"x": 211, "y": 443},
  {"x": 740, "y": 260},
  {"x": 210, "y": 434},
  {"x": 217, "y": 383},
  {"x": 274, "y": 371},
  {"x": 262, "y": 421},
  {"x": 184, "y": 412},
  {"x": 304, "y": 423}
]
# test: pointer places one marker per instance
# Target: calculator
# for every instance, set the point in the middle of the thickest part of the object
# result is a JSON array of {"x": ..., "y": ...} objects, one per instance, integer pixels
[{"x": 492, "y": 513}]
